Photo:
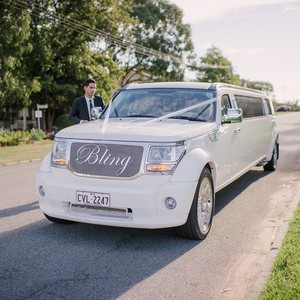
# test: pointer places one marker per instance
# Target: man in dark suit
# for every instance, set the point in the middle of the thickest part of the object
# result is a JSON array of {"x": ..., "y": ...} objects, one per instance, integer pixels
[{"x": 81, "y": 109}]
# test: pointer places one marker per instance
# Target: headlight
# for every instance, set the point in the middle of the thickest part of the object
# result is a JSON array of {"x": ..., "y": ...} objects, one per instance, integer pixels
[
  {"x": 58, "y": 155},
  {"x": 164, "y": 158}
]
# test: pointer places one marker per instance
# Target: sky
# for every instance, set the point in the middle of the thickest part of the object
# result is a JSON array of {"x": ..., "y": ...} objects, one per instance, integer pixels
[{"x": 260, "y": 38}]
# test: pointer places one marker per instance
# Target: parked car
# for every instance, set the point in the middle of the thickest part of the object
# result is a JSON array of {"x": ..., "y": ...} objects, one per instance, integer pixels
[
  {"x": 284, "y": 108},
  {"x": 157, "y": 155}
]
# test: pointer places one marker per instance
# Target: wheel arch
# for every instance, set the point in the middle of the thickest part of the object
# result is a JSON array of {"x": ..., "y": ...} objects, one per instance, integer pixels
[
  {"x": 45, "y": 165},
  {"x": 192, "y": 165},
  {"x": 199, "y": 222}
]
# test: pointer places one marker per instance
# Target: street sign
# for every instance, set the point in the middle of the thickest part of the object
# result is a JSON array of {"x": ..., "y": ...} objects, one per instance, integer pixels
[
  {"x": 38, "y": 114},
  {"x": 42, "y": 106}
]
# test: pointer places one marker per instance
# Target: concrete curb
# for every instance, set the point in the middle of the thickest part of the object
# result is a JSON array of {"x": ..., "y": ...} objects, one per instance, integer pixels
[
  {"x": 20, "y": 162},
  {"x": 266, "y": 270}
]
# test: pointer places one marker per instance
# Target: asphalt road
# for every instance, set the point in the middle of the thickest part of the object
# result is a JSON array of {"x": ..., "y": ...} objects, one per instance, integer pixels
[{"x": 42, "y": 260}]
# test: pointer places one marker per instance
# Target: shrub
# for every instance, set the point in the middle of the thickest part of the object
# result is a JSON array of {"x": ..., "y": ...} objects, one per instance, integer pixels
[
  {"x": 24, "y": 137},
  {"x": 9, "y": 140},
  {"x": 14, "y": 138},
  {"x": 37, "y": 134}
]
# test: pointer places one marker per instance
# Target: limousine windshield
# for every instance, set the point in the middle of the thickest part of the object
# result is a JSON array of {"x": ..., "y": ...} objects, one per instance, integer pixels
[{"x": 155, "y": 103}]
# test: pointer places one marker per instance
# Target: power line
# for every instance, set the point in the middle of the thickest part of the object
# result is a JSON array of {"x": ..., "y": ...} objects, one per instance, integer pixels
[
  {"x": 82, "y": 28},
  {"x": 85, "y": 29}
]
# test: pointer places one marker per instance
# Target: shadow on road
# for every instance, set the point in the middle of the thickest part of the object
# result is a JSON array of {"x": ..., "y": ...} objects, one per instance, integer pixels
[
  {"x": 230, "y": 192},
  {"x": 50, "y": 261},
  {"x": 12, "y": 211},
  {"x": 80, "y": 261}
]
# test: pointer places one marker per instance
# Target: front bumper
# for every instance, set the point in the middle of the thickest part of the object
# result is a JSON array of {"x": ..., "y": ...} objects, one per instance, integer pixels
[{"x": 144, "y": 198}]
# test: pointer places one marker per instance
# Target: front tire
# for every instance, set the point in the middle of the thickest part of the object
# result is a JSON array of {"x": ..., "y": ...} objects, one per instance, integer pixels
[
  {"x": 200, "y": 217},
  {"x": 57, "y": 221}
]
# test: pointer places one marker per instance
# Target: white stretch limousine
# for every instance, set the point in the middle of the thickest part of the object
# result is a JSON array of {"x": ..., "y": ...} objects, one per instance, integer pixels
[{"x": 157, "y": 155}]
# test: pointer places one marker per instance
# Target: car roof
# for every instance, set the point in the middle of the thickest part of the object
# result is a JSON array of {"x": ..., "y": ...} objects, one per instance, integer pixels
[
  {"x": 179, "y": 84},
  {"x": 212, "y": 86}
]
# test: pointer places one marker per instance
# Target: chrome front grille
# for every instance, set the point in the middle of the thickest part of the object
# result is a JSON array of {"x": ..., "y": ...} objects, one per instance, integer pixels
[{"x": 103, "y": 211}]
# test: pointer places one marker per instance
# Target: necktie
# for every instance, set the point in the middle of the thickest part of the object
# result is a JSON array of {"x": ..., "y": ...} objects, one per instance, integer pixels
[{"x": 91, "y": 106}]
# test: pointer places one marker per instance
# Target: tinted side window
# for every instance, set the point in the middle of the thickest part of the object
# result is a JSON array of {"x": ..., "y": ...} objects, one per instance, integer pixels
[
  {"x": 267, "y": 101},
  {"x": 251, "y": 106}
]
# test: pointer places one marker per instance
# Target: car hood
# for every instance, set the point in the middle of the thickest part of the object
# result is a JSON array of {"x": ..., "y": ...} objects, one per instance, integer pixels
[{"x": 137, "y": 130}]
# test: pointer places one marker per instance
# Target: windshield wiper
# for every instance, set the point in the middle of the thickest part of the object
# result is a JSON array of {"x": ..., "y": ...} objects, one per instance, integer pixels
[
  {"x": 139, "y": 116},
  {"x": 187, "y": 118}
]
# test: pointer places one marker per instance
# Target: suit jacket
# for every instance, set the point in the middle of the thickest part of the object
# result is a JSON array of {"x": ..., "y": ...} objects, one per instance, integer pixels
[{"x": 79, "y": 110}]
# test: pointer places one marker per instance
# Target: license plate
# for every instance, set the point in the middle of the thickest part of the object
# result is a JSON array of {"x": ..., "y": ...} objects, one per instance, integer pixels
[{"x": 91, "y": 198}]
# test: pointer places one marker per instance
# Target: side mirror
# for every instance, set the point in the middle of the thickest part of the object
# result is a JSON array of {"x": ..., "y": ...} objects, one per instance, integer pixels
[
  {"x": 95, "y": 113},
  {"x": 234, "y": 115}
]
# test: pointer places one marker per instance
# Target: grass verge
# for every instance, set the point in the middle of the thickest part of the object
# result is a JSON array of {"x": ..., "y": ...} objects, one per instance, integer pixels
[
  {"x": 284, "y": 281},
  {"x": 24, "y": 152}
]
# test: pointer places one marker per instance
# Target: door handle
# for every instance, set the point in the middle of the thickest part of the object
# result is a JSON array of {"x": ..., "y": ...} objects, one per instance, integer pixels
[{"x": 237, "y": 130}]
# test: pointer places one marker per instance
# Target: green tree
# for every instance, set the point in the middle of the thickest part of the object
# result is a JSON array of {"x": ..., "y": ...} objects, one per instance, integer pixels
[
  {"x": 216, "y": 68},
  {"x": 258, "y": 85},
  {"x": 16, "y": 86},
  {"x": 64, "y": 34},
  {"x": 157, "y": 25}
]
